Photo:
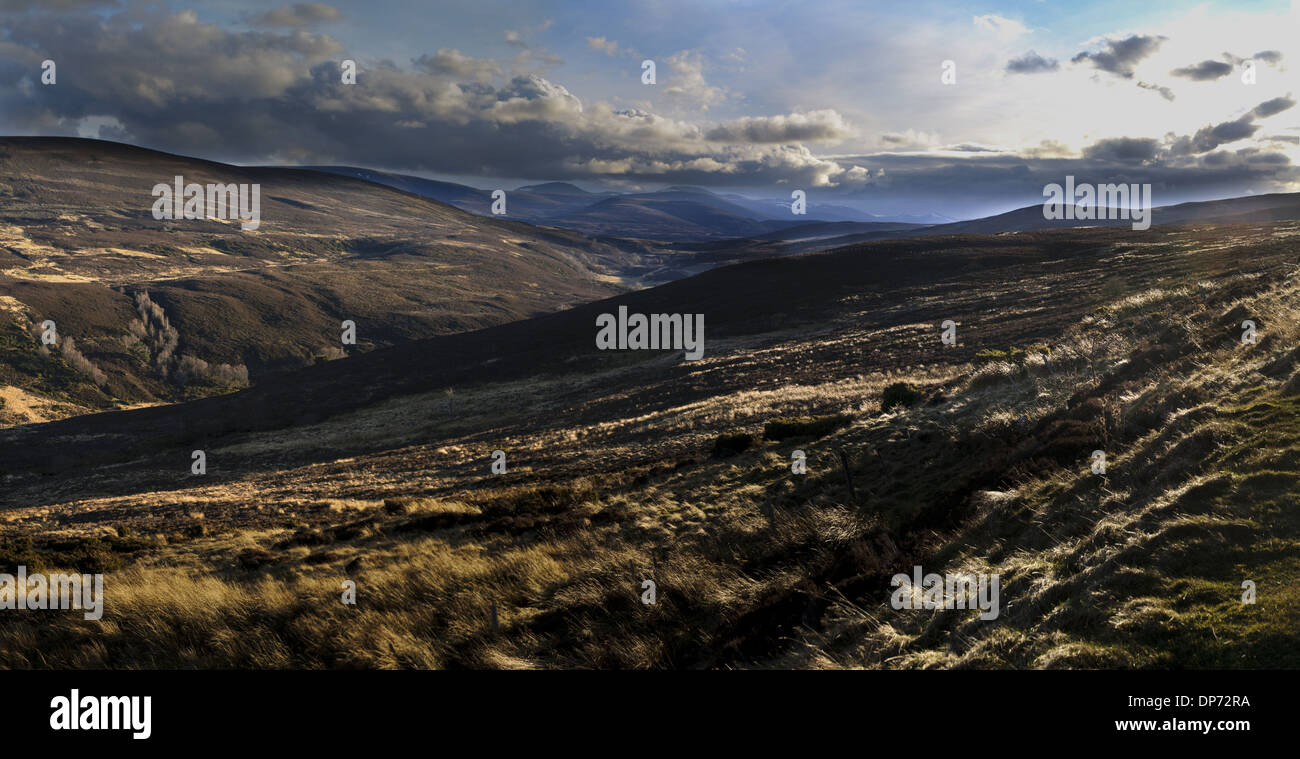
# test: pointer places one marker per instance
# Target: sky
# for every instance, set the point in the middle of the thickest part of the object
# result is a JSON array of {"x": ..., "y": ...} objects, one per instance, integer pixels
[{"x": 847, "y": 101}]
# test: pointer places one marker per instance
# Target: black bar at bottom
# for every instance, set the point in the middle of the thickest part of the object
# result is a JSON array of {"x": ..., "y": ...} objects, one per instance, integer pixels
[{"x": 234, "y": 710}]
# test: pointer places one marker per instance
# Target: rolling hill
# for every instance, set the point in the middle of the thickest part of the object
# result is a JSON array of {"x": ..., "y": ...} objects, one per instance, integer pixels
[
  {"x": 79, "y": 245},
  {"x": 627, "y": 466},
  {"x": 674, "y": 214}
]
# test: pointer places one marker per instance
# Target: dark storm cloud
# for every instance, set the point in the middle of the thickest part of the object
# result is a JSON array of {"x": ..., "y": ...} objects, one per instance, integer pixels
[
  {"x": 1210, "y": 137},
  {"x": 1032, "y": 63},
  {"x": 1271, "y": 57},
  {"x": 1272, "y": 107},
  {"x": 1205, "y": 71},
  {"x": 1120, "y": 56},
  {"x": 1123, "y": 150},
  {"x": 1244, "y": 158},
  {"x": 177, "y": 84},
  {"x": 170, "y": 82}
]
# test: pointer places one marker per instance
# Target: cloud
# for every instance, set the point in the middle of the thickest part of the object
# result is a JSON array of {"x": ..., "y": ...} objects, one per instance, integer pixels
[
  {"x": 1271, "y": 57},
  {"x": 258, "y": 96},
  {"x": 1004, "y": 29},
  {"x": 298, "y": 15},
  {"x": 910, "y": 139},
  {"x": 1272, "y": 107},
  {"x": 823, "y": 125},
  {"x": 1165, "y": 92},
  {"x": 1120, "y": 57},
  {"x": 530, "y": 59},
  {"x": 533, "y": 60},
  {"x": 608, "y": 47},
  {"x": 454, "y": 63},
  {"x": 1205, "y": 71},
  {"x": 1124, "y": 150},
  {"x": 1246, "y": 157},
  {"x": 275, "y": 96},
  {"x": 1049, "y": 149},
  {"x": 1210, "y": 137},
  {"x": 687, "y": 82},
  {"x": 1031, "y": 63}
]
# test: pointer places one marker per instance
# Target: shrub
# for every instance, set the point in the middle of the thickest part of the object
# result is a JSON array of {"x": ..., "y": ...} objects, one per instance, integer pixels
[
  {"x": 1012, "y": 355},
  {"x": 730, "y": 445},
  {"x": 899, "y": 394},
  {"x": 256, "y": 558},
  {"x": 306, "y": 536},
  {"x": 804, "y": 426}
]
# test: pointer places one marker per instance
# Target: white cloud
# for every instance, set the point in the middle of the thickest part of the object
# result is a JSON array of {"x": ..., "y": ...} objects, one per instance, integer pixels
[
  {"x": 687, "y": 83},
  {"x": 815, "y": 126},
  {"x": 1004, "y": 29},
  {"x": 608, "y": 47}
]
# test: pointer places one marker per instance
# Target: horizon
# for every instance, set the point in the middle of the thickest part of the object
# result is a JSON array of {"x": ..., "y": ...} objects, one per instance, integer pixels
[
  {"x": 474, "y": 94},
  {"x": 721, "y": 193}
]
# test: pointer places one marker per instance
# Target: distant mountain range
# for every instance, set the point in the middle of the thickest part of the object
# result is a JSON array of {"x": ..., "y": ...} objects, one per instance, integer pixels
[
  {"x": 674, "y": 214},
  {"x": 826, "y": 236},
  {"x": 694, "y": 218},
  {"x": 1250, "y": 209}
]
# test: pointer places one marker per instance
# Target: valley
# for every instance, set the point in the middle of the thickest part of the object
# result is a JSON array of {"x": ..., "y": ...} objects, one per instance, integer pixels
[{"x": 628, "y": 466}]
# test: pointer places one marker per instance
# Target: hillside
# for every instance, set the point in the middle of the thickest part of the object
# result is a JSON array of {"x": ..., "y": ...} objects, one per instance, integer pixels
[
  {"x": 79, "y": 246},
  {"x": 535, "y": 204},
  {"x": 1245, "y": 210},
  {"x": 812, "y": 236},
  {"x": 629, "y": 466}
]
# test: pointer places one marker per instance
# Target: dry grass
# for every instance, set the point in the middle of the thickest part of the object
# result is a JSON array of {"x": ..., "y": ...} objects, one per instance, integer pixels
[{"x": 753, "y": 565}]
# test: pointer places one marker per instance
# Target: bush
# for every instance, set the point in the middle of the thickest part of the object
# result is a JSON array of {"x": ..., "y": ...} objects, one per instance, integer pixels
[
  {"x": 730, "y": 445},
  {"x": 804, "y": 426},
  {"x": 306, "y": 536},
  {"x": 256, "y": 558},
  {"x": 1012, "y": 355},
  {"x": 543, "y": 499},
  {"x": 899, "y": 394},
  {"x": 86, "y": 555}
]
